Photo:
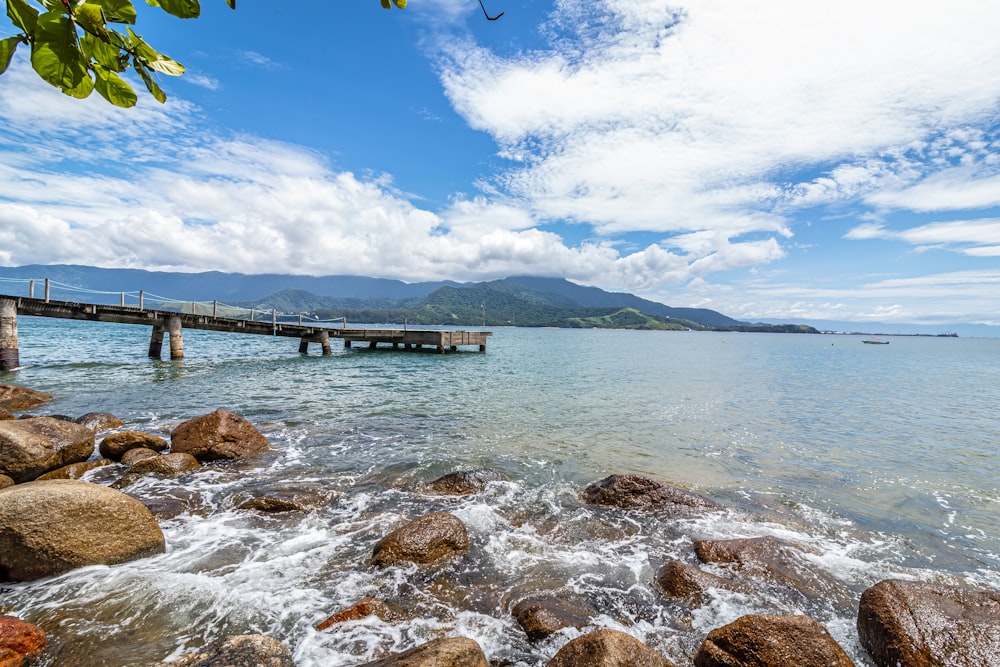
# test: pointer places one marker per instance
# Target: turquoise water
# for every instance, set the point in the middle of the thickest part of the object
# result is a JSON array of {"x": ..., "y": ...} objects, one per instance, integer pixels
[{"x": 882, "y": 460}]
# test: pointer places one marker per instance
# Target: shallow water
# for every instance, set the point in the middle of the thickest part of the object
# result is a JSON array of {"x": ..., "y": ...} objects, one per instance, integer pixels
[{"x": 880, "y": 460}]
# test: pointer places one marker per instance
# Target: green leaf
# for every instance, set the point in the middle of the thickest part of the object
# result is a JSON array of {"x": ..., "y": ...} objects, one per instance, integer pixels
[
  {"x": 152, "y": 58},
  {"x": 117, "y": 11},
  {"x": 103, "y": 53},
  {"x": 231, "y": 3},
  {"x": 386, "y": 4},
  {"x": 82, "y": 89},
  {"x": 55, "y": 55},
  {"x": 7, "y": 48},
  {"x": 147, "y": 78},
  {"x": 90, "y": 17},
  {"x": 400, "y": 3},
  {"x": 113, "y": 88},
  {"x": 23, "y": 15},
  {"x": 184, "y": 9},
  {"x": 53, "y": 5}
]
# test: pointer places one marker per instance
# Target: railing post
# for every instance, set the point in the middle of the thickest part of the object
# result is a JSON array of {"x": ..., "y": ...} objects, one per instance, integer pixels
[
  {"x": 251, "y": 314},
  {"x": 274, "y": 318},
  {"x": 8, "y": 335},
  {"x": 46, "y": 290},
  {"x": 123, "y": 300},
  {"x": 215, "y": 308},
  {"x": 141, "y": 295},
  {"x": 300, "y": 319},
  {"x": 31, "y": 289}
]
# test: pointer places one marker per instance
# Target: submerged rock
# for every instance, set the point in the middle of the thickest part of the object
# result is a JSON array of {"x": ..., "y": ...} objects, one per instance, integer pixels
[
  {"x": 426, "y": 539},
  {"x": 114, "y": 446},
  {"x": 608, "y": 648},
  {"x": 680, "y": 580},
  {"x": 362, "y": 609},
  {"x": 543, "y": 616},
  {"x": 240, "y": 651},
  {"x": 33, "y": 447},
  {"x": 270, "y": 505},
  {"x": 74, "y": 470},
  {"x": 53, "y": 526},
  {"x": 133, "y": 456},
  {"x": 20, "y": 641},
  {"x": 921, "y": 624},
  {"x": 168, "y": 464},
  {"x": 15, "y": 398},
  {"x": 759, "y": 640},
  {"x": 466, "y": 482},
  {"x": 635, "y": 492},
  {"x": 99, "y": 421},
  {"x": 218, "y": 435},
  {"x": 445, "y": 652}
]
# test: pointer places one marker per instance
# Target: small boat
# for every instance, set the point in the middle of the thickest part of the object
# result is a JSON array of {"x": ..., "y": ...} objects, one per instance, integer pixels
[{"x": 869, "y": 341}]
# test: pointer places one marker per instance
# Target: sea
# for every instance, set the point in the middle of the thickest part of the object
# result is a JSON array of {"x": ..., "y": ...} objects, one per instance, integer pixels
[{"x": 877, "y": 461}]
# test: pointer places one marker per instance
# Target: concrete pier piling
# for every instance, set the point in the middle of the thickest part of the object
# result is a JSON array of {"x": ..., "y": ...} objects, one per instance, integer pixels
[
  {"x": 174, "y": 332},
  {"x": 156, "y": 343},
  {"x": 8, "y": 335}
]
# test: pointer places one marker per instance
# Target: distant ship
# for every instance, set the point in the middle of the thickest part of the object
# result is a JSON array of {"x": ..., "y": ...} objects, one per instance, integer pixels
[{"x": 872, "y": 341}]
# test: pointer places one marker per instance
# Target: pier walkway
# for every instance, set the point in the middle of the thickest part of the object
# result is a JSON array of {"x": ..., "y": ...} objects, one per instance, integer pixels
[{"x": 172, "y": 323}]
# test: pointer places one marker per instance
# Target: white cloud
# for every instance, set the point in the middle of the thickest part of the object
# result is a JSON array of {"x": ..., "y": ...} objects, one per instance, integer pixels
[{"x": 973, "y": 237}]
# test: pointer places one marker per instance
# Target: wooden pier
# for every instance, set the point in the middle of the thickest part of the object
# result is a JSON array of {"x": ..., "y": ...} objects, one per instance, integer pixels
[{"x": 173, "y": 323}]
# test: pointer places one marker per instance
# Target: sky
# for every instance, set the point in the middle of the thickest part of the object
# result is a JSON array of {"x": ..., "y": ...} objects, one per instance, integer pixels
[{"x": 764, "y": 158}]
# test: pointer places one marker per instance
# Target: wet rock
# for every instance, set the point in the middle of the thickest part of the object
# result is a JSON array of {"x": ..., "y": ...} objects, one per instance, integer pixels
[
  {"x": 114, "y": 446},
  {"x": 133, "y": 456},
  {"x": 270, "y": 505},
  {"x": 74, "y": 470},
  {"x": 680, "y": 580},
  {"x": 218, "y": 435},
  {"x": 758, "y": 640},
  {"x": 426, "y": 539},
  {"x": 5, "y": 481},
  {"x": 777, "y": 560},
  {"x": 362, "y": 609},
  {"x": 240, "y": 651},
  {"x": 168, "y": 464},
  {"x": 635, "y": 492},
  {"x": 126, "y": 480},
  {"x": 608, "y": 648},
  {"x": 20, "y": 641},
  {"x": 466, "y": 482},
  {"x": 15, "y": 398},
  {"x": 32, "y": 447},
  {"x": 99, "y": 421},
  {"x": 921, "y": 624},
  {"x": 53, "y": 526},
  {"x": 6, "y": 415},
  {"x": 445, "y": 652},
  {"x": 542, "y": 616}
]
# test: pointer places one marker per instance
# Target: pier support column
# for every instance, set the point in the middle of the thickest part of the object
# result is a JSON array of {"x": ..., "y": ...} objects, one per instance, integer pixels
[
  {"x": 8, "y": 335},
  {"x": 372, "y": 345},
  {"x": 156, "y": 342},
  {"x": 324, "y": 342},
  {"x": 304, "y": 345},
  {"x": 174, "y": 331}
]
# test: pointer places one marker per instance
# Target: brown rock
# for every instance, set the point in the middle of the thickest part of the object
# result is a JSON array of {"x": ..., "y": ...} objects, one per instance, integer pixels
[
  {"x": 6, "y": 415},
  {"x": 16, "y": 398},
  {"x": 543, "y": 616},
  {"x": 771, "y": 641},
  {"x": 362, "y": 609},
  {"x": 634, "y": 492},
  {"x": 99, "y": 421},
  {"x": 424, "y": 540},
  {"x": 607, "y": 648},
  {"x": 5, "y": 481},
  {"x": 132, "y": 456},
  {"x": 74, "y": 470},
  {"x": 168, "y": 464},
  {"x": 680, "y": 580},
  {"x": 445, "y": 652},
  {"x": 218, "y": 435},
  {"x": 53, "y": 526},
  {"x": 466, "y": 482},
  {"x": 240, "y": 651},
  {"x": 22, "y": 640},
  {"x": 115, "y": 445},
  {"x": 270, "y": 505},
  {"x": 32, "y": 447},
  {"x": 920, "y": 624}
]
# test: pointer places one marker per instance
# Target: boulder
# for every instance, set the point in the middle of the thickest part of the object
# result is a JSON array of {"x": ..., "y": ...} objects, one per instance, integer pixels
[
  {"x": 6, "y": 415},
  {"x": 74, "y": 470},
  {"x": 53, "y": 526},
  {"x": 542, "y": 616},
  {"x": 680, "y": 580},
  {"x": 32, "y": 447},
  {"x": 168, "y": 464},
  {"x": 5, "y": 481},
  {"x": 921, "y": 624},
  {"x": 758, "y": 640},
  {"x": 218, "y": 435},
  {"x": 99, "y": 421},
  {"x": 115, "y": 445},
  {"x": 444, "y": 652},
  {"x": 426, "y": 539},
  {"x": 635, "y": 492},
  {"x": 132, "y": 456},
  {"x": 362, "y": 609},
  {"x": 466, "y": 482},
  {"x": 239, "y": 651},
  {"x": 270, "y": 505},
  {"x": 607, "y": 648},
  {"x": 16, "y": 398},
  {"x": 20, "y": 641}
]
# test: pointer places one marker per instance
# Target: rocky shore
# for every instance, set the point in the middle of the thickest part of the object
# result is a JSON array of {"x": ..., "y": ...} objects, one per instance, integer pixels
[{"x": 52, "y": 522}]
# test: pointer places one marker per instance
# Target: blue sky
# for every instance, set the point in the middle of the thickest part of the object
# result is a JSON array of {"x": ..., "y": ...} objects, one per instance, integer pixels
[{"x": 772, "y": 159}]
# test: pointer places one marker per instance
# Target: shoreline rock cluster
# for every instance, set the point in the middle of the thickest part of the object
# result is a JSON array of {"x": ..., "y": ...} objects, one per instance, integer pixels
[{"x": 50, "y": 522}]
